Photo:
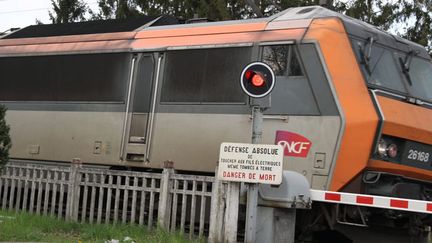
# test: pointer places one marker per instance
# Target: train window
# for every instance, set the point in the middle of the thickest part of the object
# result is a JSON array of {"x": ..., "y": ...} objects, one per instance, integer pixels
[
  {"x": 294, "y": 65},
  {"x": 420, "y": 72},
  {"x": 291, "y": 87},
  {"x": 282, "y": 59},
  {"x": 276, "y": 57},
  {"x": 205, "y": 75},
  {"x": 82, "y": 78},
  {"x": 141, "y": 99},
  {"x": 385, "y": 72},
  {"x": 382, "y": 68},
  {"x": 379, "y": 66}
]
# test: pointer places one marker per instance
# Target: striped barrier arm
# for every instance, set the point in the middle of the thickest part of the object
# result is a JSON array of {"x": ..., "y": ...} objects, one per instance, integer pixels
[{"x": 372, "y": 201}]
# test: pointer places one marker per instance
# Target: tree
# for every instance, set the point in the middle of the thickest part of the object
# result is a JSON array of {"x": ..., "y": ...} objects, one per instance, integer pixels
[
  {"x": 419, "y": 14},
  {"x": 380, "y": 13},
  {"x": 409, "y": 19},
  {"x": 5, "y": 141},
  {"x": 66, "y": 11},
  {"x": 115, "y": 9},
  {"x": 188, "y": 9}
]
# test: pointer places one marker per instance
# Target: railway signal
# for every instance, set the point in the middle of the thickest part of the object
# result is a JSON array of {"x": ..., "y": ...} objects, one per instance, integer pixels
[{"x": 257, "y": 79}]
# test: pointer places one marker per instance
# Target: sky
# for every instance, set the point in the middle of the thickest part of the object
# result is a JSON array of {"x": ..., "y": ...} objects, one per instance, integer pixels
[{"x": 22, "y": 13}]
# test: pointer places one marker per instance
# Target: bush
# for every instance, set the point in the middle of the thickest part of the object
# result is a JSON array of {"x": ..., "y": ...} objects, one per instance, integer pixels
[{"x": 5, "y": 141}]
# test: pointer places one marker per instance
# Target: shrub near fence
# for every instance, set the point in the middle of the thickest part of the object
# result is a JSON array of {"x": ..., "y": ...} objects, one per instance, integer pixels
[{"x": 174, "y": 201}]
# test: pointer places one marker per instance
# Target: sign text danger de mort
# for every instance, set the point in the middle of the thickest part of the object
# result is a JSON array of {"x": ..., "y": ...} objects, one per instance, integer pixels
[{"x": 254, "y": 163}]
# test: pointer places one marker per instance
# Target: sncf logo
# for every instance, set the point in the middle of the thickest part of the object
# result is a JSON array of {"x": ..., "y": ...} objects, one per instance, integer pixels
[{"x": 294, "y": 144}]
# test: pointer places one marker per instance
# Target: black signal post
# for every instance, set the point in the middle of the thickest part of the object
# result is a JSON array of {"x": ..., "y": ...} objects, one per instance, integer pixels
[{"x": 257, "y": 81}]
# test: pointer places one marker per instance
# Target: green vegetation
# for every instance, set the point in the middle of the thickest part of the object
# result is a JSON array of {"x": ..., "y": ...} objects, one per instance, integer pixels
[
  {"x": 5, "y": 141},
  {"x": 26, "y": 227}
]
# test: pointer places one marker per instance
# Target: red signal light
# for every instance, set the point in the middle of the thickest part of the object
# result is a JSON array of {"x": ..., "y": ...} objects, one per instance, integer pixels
[
  {"x": 258, "y": 80},
  {"x": 255, "y": 78}
]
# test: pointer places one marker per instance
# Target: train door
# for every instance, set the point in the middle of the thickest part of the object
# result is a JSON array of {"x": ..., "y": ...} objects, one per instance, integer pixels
[
  {"x": 303, "y": 116},
  {"x": 200, "y": 104},
  {"x": 139, "y": 115}
]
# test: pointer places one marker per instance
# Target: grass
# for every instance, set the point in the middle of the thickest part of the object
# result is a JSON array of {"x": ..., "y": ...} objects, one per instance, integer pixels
[{"x": 25, "y": 227}]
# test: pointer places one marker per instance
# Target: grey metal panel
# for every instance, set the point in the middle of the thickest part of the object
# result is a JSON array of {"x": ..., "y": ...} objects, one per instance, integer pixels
[
  {"x": 204, "y": 109},
  {"x": 289, "y": 24},
  {"x": 318, "y": 80},
  {"x": 192, "y": 141},
  {"x": 292, "y": 96},
  {"x": 381, "y": 119},
  {"x": 246, "y": 44},
  {"x": 138, "y": 127},
  {"x": 74, "y": 52},
  {"x": 308, "y": 12},
  {"x": 65, "y": 106},
  {"x": 342, "y": 120},
  {"x": 63, "y": 135},
  {"x": 206, "y": 24}
]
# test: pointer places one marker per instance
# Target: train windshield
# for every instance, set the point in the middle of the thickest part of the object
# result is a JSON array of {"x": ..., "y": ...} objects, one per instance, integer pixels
[
  {"x": 382, "y": 71},
  {"x": 420, "y": 71},
  {"x": 394, "y": 71}
]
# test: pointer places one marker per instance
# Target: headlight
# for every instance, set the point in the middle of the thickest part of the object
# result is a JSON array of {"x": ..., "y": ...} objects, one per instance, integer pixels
[
  {"x": 386, "y": 149},
  {"x": 392, "y": 150}
]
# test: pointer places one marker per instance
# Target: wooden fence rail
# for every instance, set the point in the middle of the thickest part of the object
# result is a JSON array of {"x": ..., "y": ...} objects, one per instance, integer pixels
[{"x": 174, "y": 201}]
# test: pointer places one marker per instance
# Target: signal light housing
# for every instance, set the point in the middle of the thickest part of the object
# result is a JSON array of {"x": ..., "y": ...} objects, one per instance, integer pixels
[{"x": 257, "y": 79}]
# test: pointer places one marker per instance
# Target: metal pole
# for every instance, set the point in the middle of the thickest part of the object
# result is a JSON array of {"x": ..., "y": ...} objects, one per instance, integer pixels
[
  {"x": 257, "y": 121},
  {"x": 252, "y": 193}
]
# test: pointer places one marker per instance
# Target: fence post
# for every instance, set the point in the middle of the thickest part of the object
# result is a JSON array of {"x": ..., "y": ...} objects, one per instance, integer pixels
[
  {"x": 165, "y": 196},
  {"x": 231, "y": 213},
  {"x": 73, "y": 190},
  {"x": 217, "y": 211}
]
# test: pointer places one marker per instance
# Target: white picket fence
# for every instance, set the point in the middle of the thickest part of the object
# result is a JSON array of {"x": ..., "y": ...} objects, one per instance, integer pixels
[{"x": 173, "y": 201}]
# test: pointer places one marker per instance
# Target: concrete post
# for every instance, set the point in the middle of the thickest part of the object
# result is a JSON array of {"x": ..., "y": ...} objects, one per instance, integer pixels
[
  {"x": 284, "y": 225},
  {"x": 217, "y": 211},
  {"x": 277, "y": 225},
  {"x": 72, "y": 203},
  {"x": 231, "y": 212},
  {"x": 165, "y": 197}
]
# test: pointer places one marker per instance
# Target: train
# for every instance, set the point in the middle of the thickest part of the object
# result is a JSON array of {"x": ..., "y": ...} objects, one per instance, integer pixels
[{"x": 351, "y": 104}]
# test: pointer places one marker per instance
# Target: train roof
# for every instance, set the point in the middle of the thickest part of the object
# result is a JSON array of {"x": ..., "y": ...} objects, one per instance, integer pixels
[
  {"x": 163, "y": 32},
  {"x": 92, "y": 27},
  {"x": 354, "y": 27}
]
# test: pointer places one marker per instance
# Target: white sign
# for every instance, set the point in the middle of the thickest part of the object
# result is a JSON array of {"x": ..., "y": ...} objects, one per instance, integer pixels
[{"x": 253, "y": 163}]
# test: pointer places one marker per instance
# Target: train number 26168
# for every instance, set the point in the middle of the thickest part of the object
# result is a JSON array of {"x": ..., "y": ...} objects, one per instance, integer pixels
[{"x": 418, "y": 155}]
